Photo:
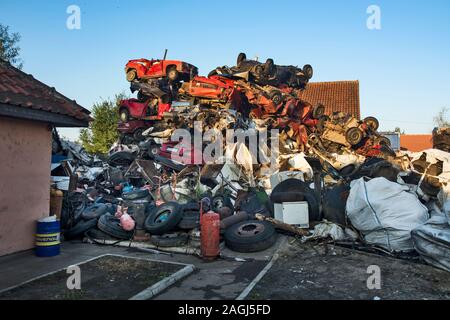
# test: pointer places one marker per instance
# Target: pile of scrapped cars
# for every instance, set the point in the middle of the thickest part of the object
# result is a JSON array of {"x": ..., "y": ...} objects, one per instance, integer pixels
[{"x": 335, "y": 177}]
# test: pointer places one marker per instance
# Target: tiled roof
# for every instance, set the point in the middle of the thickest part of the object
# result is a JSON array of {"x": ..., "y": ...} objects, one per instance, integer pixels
[
  {"x": 335, "y": 96},
  {"x": 22, "y": 90},
  {"x": 416, "y": 142}
]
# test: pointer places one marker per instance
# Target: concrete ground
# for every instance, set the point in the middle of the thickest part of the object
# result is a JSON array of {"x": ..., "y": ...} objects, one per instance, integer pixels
[
  {"x": 302, "y": 271},
  {"x": 220, "y": 279}
]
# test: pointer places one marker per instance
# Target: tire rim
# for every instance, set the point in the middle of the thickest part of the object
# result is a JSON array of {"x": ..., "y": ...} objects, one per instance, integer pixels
[
  {"x": 163, "y": 216},
  {"x": 250, "y": 229}
]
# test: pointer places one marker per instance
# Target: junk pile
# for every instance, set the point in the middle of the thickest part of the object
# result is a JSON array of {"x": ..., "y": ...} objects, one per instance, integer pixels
[{"x": 329, "y": 176}]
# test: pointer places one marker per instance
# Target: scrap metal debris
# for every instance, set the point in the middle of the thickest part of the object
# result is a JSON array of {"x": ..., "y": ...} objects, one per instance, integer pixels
[{"x": 339, "y": 166}]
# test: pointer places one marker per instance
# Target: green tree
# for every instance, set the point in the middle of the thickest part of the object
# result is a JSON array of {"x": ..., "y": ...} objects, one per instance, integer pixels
[
  {"x": 9, "y": 49},
  {"x": 102, "y": 131},
  {"x": 441, "y": 120}
]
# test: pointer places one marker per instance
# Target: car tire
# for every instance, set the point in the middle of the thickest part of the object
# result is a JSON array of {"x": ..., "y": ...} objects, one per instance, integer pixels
[
  {"x": 169, "y": 240},
  {"x": 281, "y": 197},
  {"x": 79, "y": 229},
  {"x": 241, "y": 57},
  {"x": 318, "y": 111},
  {"x": 109, "y": 224},
  {"x": 121, "y": 158},
  {"x": 137, "y": 135},
  {"x": 354, "y": 136},
  {"x": 131, "y": 75},
  {"x": 296, "y": 188},
  {"x": 94, "y": 212},
  {"x": 164, "y": 218},
  {"x": 172, "y": 74},
  {"x": 276, "y": 97},
  {"x": 308, "y": 71},
  {"x": 250, "y": 236},
  {"x": 269, "y": 68},
  {"x": 136, "y": 194},
  {"x": 124, "y": 115},
  {"x": 372, "y": 122}
]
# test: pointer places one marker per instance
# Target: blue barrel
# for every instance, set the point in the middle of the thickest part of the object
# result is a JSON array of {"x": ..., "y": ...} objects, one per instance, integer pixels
[{"x": 47, "y": 239}]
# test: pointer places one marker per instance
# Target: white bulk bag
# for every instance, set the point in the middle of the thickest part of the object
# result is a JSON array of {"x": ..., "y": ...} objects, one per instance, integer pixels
[{"x": 385, "y": 212}]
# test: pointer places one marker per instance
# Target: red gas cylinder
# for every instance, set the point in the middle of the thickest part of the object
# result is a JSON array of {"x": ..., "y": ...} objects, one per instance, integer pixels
[{"x": 210, "y": 235}]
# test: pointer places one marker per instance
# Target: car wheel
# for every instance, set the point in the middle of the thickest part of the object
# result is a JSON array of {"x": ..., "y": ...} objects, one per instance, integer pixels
[
  {"x": 124, "y": 115},
  {"x": 269, "y": 68},
  {"x": 321, "y": 123},
  {"x": 172, "y": 74},
  {"x": 109, "y": 224},
  {"x": 131, "y": 75},
  {"x": 241, "y": 57},
  {"x": 308, "y": 71},
  {"x": 372, "y": 122},
  {"x": 318, "y": 111},
  {"x": 250, "y": 236},
  {"x": 170, "y": 240},
  {"x": 354, "y": 136},
  {"x": 383, "y": 140},
  {"x": 137, "y": 135},
  {"x": 135, "y": 194},
  {"x": 79, "y": 229},
  {"x": 164, "y": 218},
  {"x": 121, "y": 158},
  {"x": 94, "y": 212},
  {"x": 276, "y": 97}
]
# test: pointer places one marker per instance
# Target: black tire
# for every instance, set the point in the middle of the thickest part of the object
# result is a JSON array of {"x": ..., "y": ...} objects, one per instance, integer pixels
[
  {"x": 241, "y": 57},
  {"x": 164, "y": 218},
  {"x": 137, "y": 135},
  {"x": 383, "y": 140},
  {"x": 354, "y": 136},
  {"x": 372, "y": 122},
  {"x": 121, "y": 158},
  {"x": 172, "y": 73},
  {"x": 334, "y": 203},
  {"x": 287, "y": 197},
  {"x": 109, "y": 224},
  {"x": 318, "y": 111},
  {"x": 135, "y": 194},
  {"x": 296, "y": 187},
  {"x": 250, "y": 236},
  {"x": 131, "y": 75},
  {"x": 213, "y": 73},
  {"x": 220, "y": 201},
  {"x": 321, "y": 123},
  {"x": 94, "y": 212},
  {"x": 276, "y": 97},
  {"x": 169, "y": 240},
  {"x": 79, "y": 229},
  {"x": 308, "y": 71},
  {"x": 124, "y": 115},
  {"x": 269, "y": 68}
]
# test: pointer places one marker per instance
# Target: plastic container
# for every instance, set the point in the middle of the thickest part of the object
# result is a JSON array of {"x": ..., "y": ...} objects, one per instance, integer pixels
[{"x": 47, "y": 237}]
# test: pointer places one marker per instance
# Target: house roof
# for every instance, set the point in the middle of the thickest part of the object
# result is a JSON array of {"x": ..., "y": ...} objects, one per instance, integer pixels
[
  {"x": 416, "y": 142},
  {"x": 335, "y": 96},
  {"x": 22, "y": 96}
]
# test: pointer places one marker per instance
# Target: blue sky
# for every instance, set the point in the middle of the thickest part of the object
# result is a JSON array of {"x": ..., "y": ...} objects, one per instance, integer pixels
[{"x": 403, "y": 68}]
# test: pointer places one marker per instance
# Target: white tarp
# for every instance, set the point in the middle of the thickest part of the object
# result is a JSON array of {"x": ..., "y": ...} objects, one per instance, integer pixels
[
  {"x": 385, "y": 212},
  {"x": 432, "y": 240}
]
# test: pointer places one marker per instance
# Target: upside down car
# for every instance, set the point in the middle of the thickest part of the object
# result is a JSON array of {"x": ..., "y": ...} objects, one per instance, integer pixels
[{"x": 155, "y": 68}]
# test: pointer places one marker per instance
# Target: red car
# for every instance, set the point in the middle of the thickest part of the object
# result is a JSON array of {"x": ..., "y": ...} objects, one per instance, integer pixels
[
  {"x": 214, "y": 87},
  {"x": 155, "y": 68},
  {"x": 150, "y": 109}
]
